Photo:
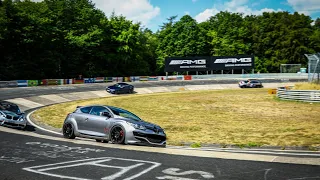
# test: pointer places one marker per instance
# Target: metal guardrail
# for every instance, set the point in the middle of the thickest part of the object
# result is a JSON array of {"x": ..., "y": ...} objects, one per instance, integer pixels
[
  {"x": 4, "y": 84},
  {"x": 286, "y": 93}
]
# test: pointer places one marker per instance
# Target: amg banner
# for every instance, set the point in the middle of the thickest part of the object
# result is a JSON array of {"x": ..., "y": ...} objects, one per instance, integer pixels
[{"x": 179, "y": 64}]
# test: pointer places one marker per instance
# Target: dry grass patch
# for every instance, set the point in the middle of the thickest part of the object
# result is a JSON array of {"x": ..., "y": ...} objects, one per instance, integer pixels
[
  {"x": 307, "y": 86},
  {"x": 241, "y": 116}
]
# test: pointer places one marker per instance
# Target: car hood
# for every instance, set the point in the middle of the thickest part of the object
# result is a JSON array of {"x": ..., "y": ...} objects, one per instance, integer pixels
[{"x": 10, "y": 113}]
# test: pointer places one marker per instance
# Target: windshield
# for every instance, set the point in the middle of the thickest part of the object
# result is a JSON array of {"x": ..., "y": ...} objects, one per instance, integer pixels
[
  {"x": 117, "y": 85},
  {"x": 124, "y": 113},
  {"x": 10, "y": 108}
]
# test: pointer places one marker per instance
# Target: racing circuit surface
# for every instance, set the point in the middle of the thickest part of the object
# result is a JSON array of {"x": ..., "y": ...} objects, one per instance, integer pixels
[
  {"x": 8, "y": 93},
  {"x": 36, "y": 154},
  {"x": 29, "y": 157}
]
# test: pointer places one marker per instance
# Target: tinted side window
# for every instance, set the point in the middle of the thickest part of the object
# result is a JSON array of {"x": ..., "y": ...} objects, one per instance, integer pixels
[
  {"x": 86, "y": 110},
  {"x": 97, "y": 110}
]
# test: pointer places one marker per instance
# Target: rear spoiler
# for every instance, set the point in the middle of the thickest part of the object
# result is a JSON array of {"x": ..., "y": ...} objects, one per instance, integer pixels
[{"x": 79, "y": 107}]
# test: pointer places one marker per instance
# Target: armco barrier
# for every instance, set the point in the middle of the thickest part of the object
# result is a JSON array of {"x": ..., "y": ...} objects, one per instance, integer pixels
[
  {"x": 298, "y": 95},
  {"x": 4, "y": 84}
]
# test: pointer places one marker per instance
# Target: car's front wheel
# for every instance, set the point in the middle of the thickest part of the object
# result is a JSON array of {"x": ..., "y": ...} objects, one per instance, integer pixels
[
  {"x": 68, "y": 131},
  {"x": 117, "y": 135}
]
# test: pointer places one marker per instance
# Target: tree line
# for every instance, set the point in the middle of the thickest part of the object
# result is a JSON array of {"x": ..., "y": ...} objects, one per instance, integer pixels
[{"x": 67, "y": 38}]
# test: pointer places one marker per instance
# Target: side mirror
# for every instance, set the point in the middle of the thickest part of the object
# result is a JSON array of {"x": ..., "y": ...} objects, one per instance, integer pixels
[{"x": 106, "y": 114}]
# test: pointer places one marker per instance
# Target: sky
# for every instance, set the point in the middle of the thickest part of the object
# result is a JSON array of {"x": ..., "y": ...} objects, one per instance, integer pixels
[{"x": 153, "y": 13}]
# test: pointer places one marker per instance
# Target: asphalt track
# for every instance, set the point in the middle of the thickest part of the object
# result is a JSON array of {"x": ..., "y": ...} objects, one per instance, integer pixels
[
  {"x": 30, "y": 158},
  {"x": 32, "y": 155},
  {"x": 8, "y": 93}
]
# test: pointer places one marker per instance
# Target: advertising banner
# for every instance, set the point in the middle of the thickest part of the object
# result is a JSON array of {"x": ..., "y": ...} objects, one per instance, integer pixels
[
  {"x": 188, "y": 77},
  {"x": 68, "y": 81},
  {"x": 78, "y": 81},
  {"x": 108, "y": 79},
  {"x": 152, "y": 78},
  {"x": 117, "y": 79},
  {"x": 32, "y": 82},
  {"x": 99, "y": 80},
  {"x": 180, "y": 64},
  {"x": 205, "y": 63},
  {"x": 22, "y": 83},
  {"x": 144, "y": 78},
  {"x": 135, "y": 78},
  {"x": 127, "y": 79},
  {"x": 88, "y": 80}
]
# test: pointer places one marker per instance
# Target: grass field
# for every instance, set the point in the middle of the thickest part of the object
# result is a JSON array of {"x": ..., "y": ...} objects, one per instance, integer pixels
[
  {"x": 307, "y": 86},
  {"x": 243, "y": 117}
]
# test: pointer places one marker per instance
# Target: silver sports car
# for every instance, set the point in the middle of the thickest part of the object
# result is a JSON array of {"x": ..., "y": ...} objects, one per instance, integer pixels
[
  {"x": 11, "y": 115},
  {"x": 108, "y": 123}
]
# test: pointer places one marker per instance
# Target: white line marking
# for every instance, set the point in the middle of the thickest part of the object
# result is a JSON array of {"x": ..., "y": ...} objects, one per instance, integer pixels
[
  {"x": 174, "y": 172},
  {"x": 124, "y": 170},
  {"x": 38, "y": 127},
  {"x": 94, "y": 162},
  {"x": 175, "y": 178},
  {"x": 249, "y": 152}
]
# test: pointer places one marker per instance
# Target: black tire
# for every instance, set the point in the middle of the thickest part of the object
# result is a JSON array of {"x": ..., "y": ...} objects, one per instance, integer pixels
[
  {"x": 68, "y": 131},
  {"x": 23, "y": 128},
  {"x": 131, "y": 91},
  {"x": 98, "y": 140},
  {"x": 117, "y": 135}
]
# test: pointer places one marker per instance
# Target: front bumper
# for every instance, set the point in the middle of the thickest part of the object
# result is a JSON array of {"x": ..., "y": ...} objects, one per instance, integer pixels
[
  {"x": 148, "y": 139},
  {"x": 13, "y": 123},
  {"x": 112, "y": 91}
]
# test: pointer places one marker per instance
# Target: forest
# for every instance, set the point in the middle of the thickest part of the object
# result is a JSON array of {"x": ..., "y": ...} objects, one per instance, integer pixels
[{"x": 67, "y": 38}]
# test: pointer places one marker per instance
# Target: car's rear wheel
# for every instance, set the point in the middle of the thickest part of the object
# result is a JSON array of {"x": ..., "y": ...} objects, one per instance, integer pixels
[
  {"x": 117, "y": 135},
  {"x": 68, "y": 131}
]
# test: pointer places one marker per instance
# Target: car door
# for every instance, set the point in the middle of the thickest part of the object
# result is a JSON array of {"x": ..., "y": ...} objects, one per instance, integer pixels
[
  {"x": 97, "y": 124},
  {"x": 122, "y": 89},
  {"x": 82, "y": 117}
]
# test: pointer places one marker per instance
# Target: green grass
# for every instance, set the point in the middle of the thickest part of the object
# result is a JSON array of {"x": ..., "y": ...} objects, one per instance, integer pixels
[{"x": 244, "y": 117}]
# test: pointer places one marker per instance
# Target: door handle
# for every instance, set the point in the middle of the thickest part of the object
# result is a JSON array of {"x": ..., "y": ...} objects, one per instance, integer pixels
[{"x": 86, "y": 119}]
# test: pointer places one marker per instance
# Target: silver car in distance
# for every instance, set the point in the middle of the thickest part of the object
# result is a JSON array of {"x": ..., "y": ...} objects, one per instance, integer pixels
[{"x": 108, "y": 123}]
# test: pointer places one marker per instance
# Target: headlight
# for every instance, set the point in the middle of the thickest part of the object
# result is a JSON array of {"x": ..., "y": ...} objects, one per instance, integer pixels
[
  {"x": 137, "y": 126},
  {"x": 21, "y": 119}
]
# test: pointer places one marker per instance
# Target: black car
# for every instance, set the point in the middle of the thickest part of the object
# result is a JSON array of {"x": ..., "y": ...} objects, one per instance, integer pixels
[
  {"x": 120, "y": 88},
  {"x": 11, "y": 115},
  {"x": 251, "y": 83}
]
